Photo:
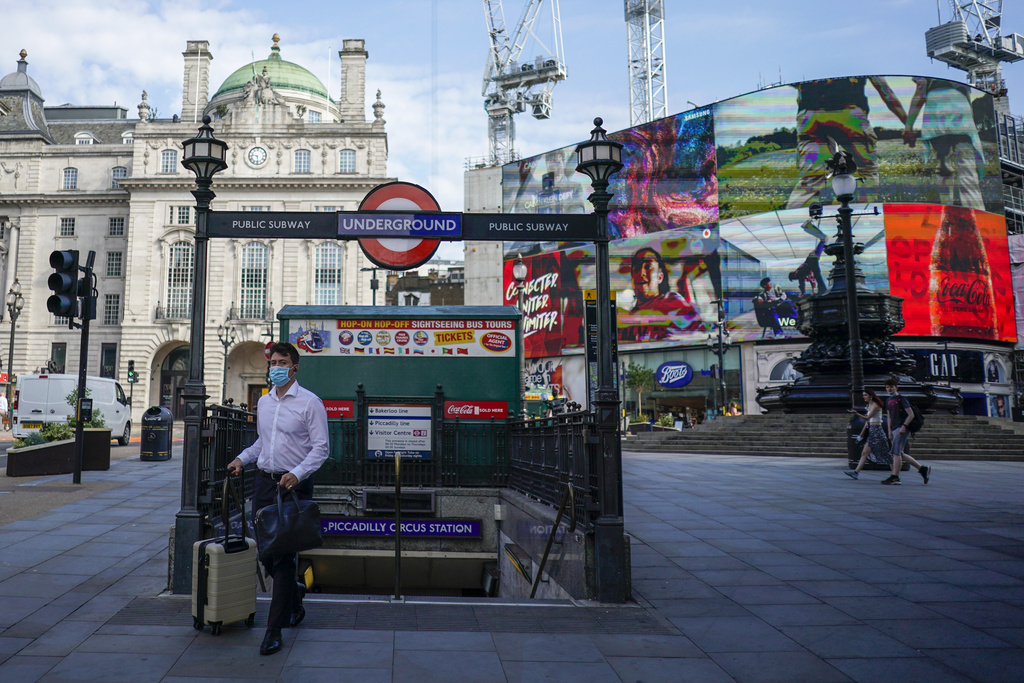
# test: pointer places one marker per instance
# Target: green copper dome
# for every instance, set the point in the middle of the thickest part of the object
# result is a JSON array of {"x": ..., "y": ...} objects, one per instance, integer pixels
[{"x": 283, "y": 75}]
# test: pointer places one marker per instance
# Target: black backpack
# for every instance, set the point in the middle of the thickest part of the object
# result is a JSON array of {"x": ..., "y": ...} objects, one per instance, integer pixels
[{"x": 917, "y": 421}]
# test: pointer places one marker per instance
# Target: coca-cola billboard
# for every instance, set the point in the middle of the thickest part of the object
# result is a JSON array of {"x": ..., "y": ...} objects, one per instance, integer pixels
[
  {"x": 475, "y": 410},
  {"x": 951, "y": 265}
]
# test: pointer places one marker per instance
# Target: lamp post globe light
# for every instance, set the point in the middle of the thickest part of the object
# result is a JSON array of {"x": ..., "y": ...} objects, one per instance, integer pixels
[
  {"x": 519, "y": 273},
  {"x": 226, "y": 337},
  {"x": 15, "y": 302},
  {"x": 204, "y": 155},
  {"x": 844, "y": 184},
  {"x": 600, "y": 158}
]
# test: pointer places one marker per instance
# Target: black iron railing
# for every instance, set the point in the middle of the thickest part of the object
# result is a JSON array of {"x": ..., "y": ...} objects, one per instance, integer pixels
[{"x": 227, "y": 431}]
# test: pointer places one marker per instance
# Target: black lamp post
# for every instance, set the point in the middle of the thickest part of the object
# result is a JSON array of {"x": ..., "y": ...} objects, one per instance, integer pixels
[
  {"x": 600, "y": 158},
  {"x": 203, "y": 155},
  {"x": 15, "y": 302},
  {"x": 226, "y": 337},
  {"x": 844, "y": 185},
  {"x": 374, "y": 282},
  {"x": 720, "y": 346},
  {"x": 519, "y": 273}
]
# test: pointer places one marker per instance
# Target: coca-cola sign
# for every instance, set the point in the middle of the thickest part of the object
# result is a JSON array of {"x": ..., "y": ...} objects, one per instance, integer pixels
[
  {"x": 337, "y": 408},
  {"x": 475, "y": 410},
  {"x": 673, "y": 374}
]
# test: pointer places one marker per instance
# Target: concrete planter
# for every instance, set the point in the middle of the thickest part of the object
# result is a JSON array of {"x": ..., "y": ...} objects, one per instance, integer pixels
[{"x": 58, "y": 457}]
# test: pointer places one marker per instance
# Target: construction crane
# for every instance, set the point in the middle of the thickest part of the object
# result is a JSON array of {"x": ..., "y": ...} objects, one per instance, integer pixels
[
  {"x": 972, "y": 41},
  {"x": 513, "y": 82},
  {"x": 648, "y": 97}
]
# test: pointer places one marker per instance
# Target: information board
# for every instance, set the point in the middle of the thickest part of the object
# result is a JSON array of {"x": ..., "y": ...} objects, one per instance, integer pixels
[{"x": 398, "y": 428}]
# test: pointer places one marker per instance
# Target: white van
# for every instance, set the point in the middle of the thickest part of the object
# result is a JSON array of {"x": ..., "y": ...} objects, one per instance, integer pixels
[{"x": 43, "y": 398}]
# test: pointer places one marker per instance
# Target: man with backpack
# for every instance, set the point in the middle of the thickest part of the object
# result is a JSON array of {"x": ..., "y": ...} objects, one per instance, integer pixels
[{"x": 902, "y": 415}]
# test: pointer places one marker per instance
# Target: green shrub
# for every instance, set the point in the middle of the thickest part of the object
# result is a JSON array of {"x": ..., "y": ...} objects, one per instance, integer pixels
[{"x": 666, "y": 420}]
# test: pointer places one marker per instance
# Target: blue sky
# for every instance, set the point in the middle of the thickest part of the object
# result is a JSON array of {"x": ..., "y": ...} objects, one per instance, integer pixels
[{"x": 106, "y": 51}]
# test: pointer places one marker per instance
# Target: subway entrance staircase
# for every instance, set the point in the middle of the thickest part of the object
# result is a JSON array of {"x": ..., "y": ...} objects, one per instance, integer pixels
[{"x": 943, "y": 437}]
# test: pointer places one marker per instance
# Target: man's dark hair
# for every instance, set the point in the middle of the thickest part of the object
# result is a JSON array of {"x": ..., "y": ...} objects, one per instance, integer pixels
[
  {"x": 765, "y": 281},
  {"x": 891, "y": 382},
  {"x": 638, "y": 260},
  {"x": 286, "y": 349}
]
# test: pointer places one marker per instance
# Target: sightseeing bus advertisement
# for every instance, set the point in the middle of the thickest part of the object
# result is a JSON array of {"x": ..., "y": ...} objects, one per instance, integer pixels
[
  {"x": 913, "y": 139},
  {"x": 770, "y": 261},
  {"x": 950, "y": 264}
]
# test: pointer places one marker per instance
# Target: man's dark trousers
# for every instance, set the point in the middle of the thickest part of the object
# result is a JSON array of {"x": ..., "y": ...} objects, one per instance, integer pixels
[{"x": 281, "y": 568}]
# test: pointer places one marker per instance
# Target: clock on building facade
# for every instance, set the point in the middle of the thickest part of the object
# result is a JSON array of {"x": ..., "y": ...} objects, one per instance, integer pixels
[{"x": 257, "y": 156}]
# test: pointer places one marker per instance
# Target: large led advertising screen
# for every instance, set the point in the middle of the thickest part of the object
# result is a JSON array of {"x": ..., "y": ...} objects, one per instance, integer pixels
[
  {"x": 951, "y": 265},
  {"x": 914, "y": 139}
]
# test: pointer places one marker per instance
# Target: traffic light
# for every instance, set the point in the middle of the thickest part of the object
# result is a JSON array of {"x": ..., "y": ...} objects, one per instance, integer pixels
[
  {"x": 132, "y": 379},
  {"x": 64, "y": 284}
]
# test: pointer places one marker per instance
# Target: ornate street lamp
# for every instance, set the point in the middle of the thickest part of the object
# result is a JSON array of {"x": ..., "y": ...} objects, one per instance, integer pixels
[
  {"x": 204, "y": 155},
  {"x": 519, "y": 273},
  {"x": 226, "y": 337},
  {"x": 842, "y": 168},
  {"x": 15, "y": 303},
  {"x": 600, "y": 158},
  {"x": 720, "y": 346}
]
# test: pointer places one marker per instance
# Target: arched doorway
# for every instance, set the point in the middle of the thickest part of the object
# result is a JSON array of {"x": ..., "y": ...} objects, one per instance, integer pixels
[{"x": 173, "y": 375}]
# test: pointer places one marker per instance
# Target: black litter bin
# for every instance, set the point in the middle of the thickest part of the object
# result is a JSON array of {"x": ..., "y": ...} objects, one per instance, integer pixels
[{"x": 156, "y": 434}]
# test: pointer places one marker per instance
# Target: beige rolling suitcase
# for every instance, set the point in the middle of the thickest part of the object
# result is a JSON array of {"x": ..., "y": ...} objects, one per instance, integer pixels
[{"x": 224, "y": 572}]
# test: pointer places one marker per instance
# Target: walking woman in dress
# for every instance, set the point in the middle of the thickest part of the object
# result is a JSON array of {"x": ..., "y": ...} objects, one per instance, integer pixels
[{"x": 876, "y": 448}]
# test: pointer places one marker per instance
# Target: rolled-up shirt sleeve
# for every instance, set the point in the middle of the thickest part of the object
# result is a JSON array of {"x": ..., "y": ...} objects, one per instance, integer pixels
[
  {"x": 252, "y": 453},
  {"x": 315, "y": 417}
]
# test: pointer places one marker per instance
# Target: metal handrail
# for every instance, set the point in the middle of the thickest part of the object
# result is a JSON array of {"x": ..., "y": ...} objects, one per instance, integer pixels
[{"x": 568, "y": 496}]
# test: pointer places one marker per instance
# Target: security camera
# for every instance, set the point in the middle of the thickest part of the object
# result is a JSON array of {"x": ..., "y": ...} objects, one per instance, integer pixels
[{"x": 815, "y": 210}]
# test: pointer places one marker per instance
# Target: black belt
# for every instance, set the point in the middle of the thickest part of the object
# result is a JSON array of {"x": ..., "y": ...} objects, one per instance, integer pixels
[{"x": 276, "y": 476}]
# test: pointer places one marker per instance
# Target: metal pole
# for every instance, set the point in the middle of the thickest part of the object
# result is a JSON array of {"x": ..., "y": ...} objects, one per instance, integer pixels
[
  {"x": 86, "y": 306},
  {"x": 398, "y": 525},
  {"x": 721, "y": 359},
  {"x": 10, "y": 362},
  {"x": 188, "y": 521},
  {"x": 852, "y": 310},
  {"x": 610, "y": 547},
  {"x": 522, "y": 348}
]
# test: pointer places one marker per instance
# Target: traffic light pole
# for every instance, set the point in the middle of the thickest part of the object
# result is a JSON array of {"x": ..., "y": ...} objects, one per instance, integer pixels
[{"x": 87, "y": 307}]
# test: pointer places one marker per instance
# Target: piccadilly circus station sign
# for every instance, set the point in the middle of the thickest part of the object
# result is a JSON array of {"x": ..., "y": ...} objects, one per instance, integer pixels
[{"x": 399, "y": 226}]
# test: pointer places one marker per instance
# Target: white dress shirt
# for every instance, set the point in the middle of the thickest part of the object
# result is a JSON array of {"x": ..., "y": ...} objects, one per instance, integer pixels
[{"x": 292, "y": 433}]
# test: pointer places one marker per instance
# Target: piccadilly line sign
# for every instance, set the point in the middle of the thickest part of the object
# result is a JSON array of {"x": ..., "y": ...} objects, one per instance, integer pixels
[{"x": 402, "y": 224}]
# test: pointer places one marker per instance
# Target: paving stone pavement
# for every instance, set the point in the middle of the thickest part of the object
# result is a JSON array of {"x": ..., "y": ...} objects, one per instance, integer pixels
[{"x": 744, "y": 568}]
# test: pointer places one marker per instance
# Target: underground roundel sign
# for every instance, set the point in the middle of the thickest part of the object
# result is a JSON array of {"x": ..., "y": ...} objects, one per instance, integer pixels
[{"x": 399, "y": 253}]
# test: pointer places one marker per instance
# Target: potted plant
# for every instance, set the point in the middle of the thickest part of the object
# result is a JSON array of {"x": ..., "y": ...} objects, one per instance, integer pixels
[{"x": 51, "y": 450}]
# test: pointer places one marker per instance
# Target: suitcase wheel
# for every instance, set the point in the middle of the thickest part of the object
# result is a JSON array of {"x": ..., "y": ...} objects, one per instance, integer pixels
[
  {"x": 196, "y": 624},
  {"x": 215, "y": 628},
  {"x": 251, "y": 620}
]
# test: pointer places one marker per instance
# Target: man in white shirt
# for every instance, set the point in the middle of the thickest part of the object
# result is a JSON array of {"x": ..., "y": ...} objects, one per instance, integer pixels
[
  {"x": 292, "y": 445},
  {"x": 4, "y": 407}
]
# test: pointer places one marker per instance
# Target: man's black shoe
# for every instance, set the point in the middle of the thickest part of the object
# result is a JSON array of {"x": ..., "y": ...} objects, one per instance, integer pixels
[
  {"x": 298, "y": 611},
  {"x": 271, "y": 642}
]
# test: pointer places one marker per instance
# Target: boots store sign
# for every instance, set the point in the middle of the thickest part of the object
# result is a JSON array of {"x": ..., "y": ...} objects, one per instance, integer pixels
[{"x": 673, "y": 374}]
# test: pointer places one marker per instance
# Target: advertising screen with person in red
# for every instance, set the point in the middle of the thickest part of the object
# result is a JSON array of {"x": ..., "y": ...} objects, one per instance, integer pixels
[
  {"x": 542, "y": 304},
  {"x": 951, "y": 265}
]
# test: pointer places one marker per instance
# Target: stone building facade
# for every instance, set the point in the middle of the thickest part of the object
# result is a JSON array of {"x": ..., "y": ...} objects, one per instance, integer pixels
[{"x": 93, "y": 179}]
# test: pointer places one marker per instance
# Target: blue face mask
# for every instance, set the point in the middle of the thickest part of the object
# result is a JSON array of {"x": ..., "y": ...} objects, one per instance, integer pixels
[{"x": 279, "y": 376}]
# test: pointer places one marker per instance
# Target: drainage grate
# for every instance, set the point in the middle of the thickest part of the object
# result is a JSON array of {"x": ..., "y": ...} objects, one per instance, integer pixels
[{"x": 410, "y": 616}]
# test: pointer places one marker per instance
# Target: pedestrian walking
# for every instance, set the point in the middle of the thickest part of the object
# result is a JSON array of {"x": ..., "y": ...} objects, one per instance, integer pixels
[
  {"x": 4, "y": 411},
  {"x": 876, "y": 448},
  {"x": 900, "y": 415},
  {"x": 291, "y": 446}
]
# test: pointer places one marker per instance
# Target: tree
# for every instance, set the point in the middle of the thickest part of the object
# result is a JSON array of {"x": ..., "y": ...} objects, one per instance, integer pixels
[{"x": 641, "y": 380}]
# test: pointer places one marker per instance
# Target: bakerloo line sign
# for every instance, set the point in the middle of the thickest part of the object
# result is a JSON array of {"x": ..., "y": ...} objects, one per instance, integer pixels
[{"x": 399, "y": 226}]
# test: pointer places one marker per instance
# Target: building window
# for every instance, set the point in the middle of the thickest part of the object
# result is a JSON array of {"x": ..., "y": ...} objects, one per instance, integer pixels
[
  {"x": 112, "y": 309},
  {"x": 180, "y": 215},
  {"x": 179, "y": 280},
  {"x": 127, "y": 138},
  {"x": 326, "y": 209},
  {"x": 253, "y": 295},
  {"x": 327, "y": 277},
  {"x": 84, "y": 139},
  {"x": 70, "y": 181},
  {"x": 347, "y": 161},
  {"x": 67, "y": 227},
  {"x": 115, "y": 227},
  {"x": 61, "y": 320},
  {"x": 108, "y": 360},
  {"x": 118, "y": 173},
  {"x": 314, "y": 117},
  {"x": 168, "y": 161},
  {"x": 115, "y": 263},
  {"x": 58, "y": 356},
  {"x": 302, "y": 161},
  {"x": 255, "y": 208}
]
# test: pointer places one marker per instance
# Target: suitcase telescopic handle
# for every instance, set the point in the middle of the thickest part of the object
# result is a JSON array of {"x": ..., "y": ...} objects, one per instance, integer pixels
[{"x": 229, "y": 485}]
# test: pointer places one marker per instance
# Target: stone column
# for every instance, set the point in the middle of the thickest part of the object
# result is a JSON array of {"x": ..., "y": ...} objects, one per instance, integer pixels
[{"x": 195, "y": 89}]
